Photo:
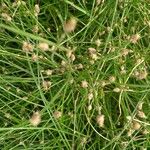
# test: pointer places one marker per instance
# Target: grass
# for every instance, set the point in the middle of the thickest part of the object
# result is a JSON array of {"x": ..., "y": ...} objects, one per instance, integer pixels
[{"x": 121, "y": 55}]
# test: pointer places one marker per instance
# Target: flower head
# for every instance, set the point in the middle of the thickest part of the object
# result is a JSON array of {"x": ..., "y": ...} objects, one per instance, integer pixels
[
  {"x": 84, "y": 84},
  {"x": 70, "y": 25},
  {"x": 43, "y": 46},
  {"x": 6, "y": 17},
  {"x": 100, "y": 120},
  {"x": 35, "y": 118},
  {"x": 57, "y": 114},
  {"x": 134, "y": 38},
  {"x": 27, "y": 47}
]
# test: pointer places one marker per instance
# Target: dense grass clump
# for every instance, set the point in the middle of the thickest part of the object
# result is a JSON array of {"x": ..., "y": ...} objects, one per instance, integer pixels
[{"x": 74, "y": 74}]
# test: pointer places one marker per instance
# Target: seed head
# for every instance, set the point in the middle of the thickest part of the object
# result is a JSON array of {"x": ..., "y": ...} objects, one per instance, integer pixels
[
  {"x": 92, "y": 62},
  {"x": 125, "y": 52},
  {"x": 16, "y": 3},
  {"x": 63, "y": 63},
  {"x": 62, "y": 69},
  {"x": 93, "y": 53},
  {"x": 134, "y": 38},
  {"x": 71, "y": 81},
  {"x": 46, "y": 85},
  {"x": 130, "y": 132},
  {"x": 84, "y": 84},
  {"x": 94, "y": 56},
  {"x": 117, "y": 90},
  {"x": 48, "y": 72},
  {"x": 79, "y": 66},
  {"x": 136, "y": 125},
  {"x": 90, "y": 96},
  {"x": 90, "y": 107},
  {"x": 92, "y": 50},
  {"x": 6, "y": 17},
  {"x": 98, "y": 42},
  {"x": 70, "y": 114},
  {"x": 140, "y": 105},
  {"x": 112, "y": 79},
  {"x": 72, "y": 57},
  {"x": 18, "y": 90},
  {"x": 35, "y": 29},
  {"x": 68, "y": 53},
  {"x": 102, "y": 33},
  {"x": 49, "y": 29},
  {"x": 103, "y": 83},
  {"x": 27, "y": 47},
  {"x": 129, "y": 118},
  {"x": 142, "y": 74},
  {"x": 123, "y": 72},
  {"x": 35, "y": 118},
  {"x": 43, "y": 46},
  {"x": 57, "y": 114},
  {"x": 34, "y": 57},
  {"x": 70, "y": 25},
  {"x": 98, "y": 2},
  {"x": 36, "y": 10},
  {"x": 141, "y": 114},
  {"x": 23, "y": 2},
  {"x": 83, "y": 141},
  {"x": 139, "y": 60},
  {"x": 100, "y": 120},
  {"x": 7, "y": 115},
  {"x": 122, "y": 67},
  {"x": 145, "y": 131},
  {"x": 109, "y": 29},
  {"x": 25, "y": 98}
]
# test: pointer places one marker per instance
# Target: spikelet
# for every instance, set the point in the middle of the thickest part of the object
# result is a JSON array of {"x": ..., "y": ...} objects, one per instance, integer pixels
[
  {"x": 35, "y": 118},
  {"x": 100, "y": 120},
  {"x": 57, "y": 114},
  {"x": 70, "y": 25},
  {"x": 43, "y": 46},
  {"x": 84, "y": 84},
  {"x": 27, "y": 47}
]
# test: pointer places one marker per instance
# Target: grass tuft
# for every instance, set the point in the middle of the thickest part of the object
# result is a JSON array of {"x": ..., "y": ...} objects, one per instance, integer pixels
[{"x": 74, "y": 74}]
